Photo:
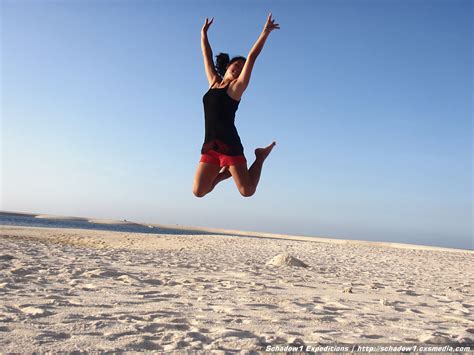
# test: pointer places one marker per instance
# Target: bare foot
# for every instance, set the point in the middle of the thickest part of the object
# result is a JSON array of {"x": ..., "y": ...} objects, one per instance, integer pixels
[{"x": 262, "y": 153}]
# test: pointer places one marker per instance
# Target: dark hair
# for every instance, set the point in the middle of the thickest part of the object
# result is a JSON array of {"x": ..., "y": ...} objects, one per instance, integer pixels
[{"x": 222, "y": 61}]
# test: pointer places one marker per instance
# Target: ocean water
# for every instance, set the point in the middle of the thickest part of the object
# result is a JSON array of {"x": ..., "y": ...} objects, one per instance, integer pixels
[
  {"x": 13, "y": 219},
  {"x": 28, "y": 221}
]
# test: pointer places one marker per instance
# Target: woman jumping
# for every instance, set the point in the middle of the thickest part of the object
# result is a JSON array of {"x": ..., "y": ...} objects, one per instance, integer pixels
[{"x": 222, "y": 154}]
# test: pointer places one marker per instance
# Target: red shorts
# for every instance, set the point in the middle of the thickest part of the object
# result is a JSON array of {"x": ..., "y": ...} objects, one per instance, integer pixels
[{"x": 213, "y": 157}]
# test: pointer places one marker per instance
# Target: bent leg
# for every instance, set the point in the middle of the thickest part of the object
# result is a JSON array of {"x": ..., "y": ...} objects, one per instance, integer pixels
[
  {"x": 243, "y": 179},
  {"x": 247, "y": 180},
  {"x": 206, "y": 174}
]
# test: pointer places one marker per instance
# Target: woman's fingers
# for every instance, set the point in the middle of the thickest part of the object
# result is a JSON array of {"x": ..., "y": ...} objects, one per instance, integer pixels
[
  {"x": 207, "y": 24},
  {"x": 270, "y": 24}
]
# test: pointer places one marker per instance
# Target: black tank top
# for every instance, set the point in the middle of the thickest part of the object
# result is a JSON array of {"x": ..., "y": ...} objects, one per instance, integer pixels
[{"x": 219, "y": 113}]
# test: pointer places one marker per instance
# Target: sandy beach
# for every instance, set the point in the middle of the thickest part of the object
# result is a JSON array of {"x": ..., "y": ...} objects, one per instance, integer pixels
[{"x": 92, "y": 290}]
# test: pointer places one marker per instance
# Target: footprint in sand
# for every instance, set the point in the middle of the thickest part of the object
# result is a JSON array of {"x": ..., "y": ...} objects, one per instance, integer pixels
[
  {"x": 34, "y": 312},
  {"x": 102, "y": 273},
  {"x": 256, "y": 306},
  {"x": 23, "y": 271},
  {"x": 154, "y": 282},
  {"x": 155, "y": 327},
  {"x": 408, "y": 292},
  {"x": 238, "y": 333},
  {"x": 435, "y": 338},
  {"x": 127, "y": 280},
  {"x": 114, "y": 336},
  {"x": 154, "y": 294},
  {"x": 222, "y": 309},
  {"x": 8, "y": 314},
  {"x": 145, "y": 344},
  {"x": 4, "y": 286},
  {"x": 48, "y": 336},
  {"x": 89, "y": 287},
  {"x": 6, "y": 257},
  {"x": 196, "y": 336},
  {"x": 307, "y": 306},
  {"x": 414, "y": 310},
  {"x": 372, "y": 336}
]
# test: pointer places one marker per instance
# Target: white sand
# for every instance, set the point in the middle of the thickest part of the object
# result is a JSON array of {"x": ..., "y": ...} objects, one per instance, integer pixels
[{"x": 71, "y": 289}]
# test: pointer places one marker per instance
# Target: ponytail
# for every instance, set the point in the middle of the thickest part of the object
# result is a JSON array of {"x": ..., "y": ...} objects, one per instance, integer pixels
[{"x": 222, "y": 60}]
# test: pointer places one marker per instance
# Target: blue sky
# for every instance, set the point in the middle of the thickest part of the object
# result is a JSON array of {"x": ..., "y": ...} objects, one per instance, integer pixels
[{"x": 370, "y": 103}]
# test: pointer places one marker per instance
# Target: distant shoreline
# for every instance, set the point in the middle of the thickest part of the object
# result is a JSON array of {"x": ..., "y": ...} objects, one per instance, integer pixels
[{"x": 230, "y": 232}]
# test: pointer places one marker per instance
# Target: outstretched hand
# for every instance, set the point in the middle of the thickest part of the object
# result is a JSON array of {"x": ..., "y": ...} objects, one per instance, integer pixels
[
  {"x": 207, "y": 24},
  {"x": 270, "y": 25}
]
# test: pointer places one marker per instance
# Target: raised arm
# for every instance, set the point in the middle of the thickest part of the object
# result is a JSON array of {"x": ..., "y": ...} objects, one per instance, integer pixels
[
  {"x": 244, "y": 77},
  {"x": 207, "y": 53}
]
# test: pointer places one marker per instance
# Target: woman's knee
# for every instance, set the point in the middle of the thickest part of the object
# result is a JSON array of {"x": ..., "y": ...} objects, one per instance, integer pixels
[
  {"x": 247, "y": 191},
  {"x": 198, "y": 191}
]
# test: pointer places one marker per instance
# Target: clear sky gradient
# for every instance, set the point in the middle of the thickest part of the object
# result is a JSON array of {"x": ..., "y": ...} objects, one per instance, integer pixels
[{"x": 370, "y": 102}]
